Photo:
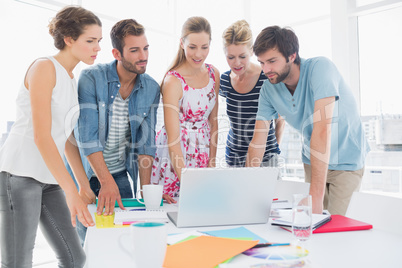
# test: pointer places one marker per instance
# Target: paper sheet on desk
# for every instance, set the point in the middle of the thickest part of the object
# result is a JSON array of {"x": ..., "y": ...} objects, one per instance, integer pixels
[
  {"x": 281, "y": 204},
  {"x": 204, "y": 251},
  {"x": 126, "y": 217},
  {"x": 239, "y": 232},
  {"x": 271, "y": 257},
  {"x": 175, "y": 238}
]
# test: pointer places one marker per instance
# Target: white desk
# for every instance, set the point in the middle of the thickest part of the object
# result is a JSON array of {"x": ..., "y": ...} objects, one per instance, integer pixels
[{"x": 369, "y": 248}]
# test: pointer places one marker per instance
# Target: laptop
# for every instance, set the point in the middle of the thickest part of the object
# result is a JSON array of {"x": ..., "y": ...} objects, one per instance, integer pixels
[{"x": 225, "y": 196}]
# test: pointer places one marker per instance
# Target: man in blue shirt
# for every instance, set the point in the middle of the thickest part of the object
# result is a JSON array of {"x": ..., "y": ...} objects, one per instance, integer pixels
[
  {"x": 312, "y": 96},
  {"x": 116, "y": 127}
]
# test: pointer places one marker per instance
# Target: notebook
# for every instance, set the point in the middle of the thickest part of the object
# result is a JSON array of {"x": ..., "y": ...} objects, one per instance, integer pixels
[
  {"x": 224, "y": 196},
  {"x": 127, "y": 217},
  {"x": 317, "y": 220}
]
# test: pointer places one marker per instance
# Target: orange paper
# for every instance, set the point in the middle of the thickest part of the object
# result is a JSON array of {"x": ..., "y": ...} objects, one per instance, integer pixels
[{"x": 204, "y": 252}]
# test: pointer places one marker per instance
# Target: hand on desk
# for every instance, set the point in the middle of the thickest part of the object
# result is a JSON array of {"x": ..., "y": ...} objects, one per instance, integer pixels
[
  {"x": 169, "y": 199},
  {"x": 108, "y": 195}
]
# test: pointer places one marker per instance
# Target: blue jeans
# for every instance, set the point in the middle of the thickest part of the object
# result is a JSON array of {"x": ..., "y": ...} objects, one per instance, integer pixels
[
  {"x": 123, "y": 183},
  {"x": 26, "y": 203}
]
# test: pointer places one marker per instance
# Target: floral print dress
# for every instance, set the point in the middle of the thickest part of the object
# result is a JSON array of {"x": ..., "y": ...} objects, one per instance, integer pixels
[{"x": 195, "y": 107}]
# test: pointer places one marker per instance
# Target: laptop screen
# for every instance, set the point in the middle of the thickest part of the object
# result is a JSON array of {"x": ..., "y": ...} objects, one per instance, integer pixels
[{"x": 228, "y": 196}]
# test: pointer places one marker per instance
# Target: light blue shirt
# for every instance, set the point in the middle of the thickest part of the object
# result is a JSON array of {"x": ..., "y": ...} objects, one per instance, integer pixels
[{"x": 319, "y": 78}]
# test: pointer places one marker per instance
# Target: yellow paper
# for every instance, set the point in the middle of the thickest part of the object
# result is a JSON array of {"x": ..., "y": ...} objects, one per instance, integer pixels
[
  {"x": 103, "y": 221},
  {"x": 204, "y": 252}
]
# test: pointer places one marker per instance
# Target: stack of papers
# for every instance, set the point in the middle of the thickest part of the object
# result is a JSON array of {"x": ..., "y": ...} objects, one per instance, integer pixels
[
  {"x": 204, "y": 251},
  {"x": 241, "y": 233},
  {"x": 104, "y": 221},
  {"x": 281, "y": 204},
  {"x": 317, "y": 220},
  {"x": 198, "y": 249},
  {"x": 127, "y": 216}
]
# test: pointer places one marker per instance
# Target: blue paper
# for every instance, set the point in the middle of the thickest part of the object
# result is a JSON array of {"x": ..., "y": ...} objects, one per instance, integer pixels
[{"x": 239, "y": 232}]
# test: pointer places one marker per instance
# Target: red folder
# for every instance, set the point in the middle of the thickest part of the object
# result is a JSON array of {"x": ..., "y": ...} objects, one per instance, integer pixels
[{"x": 339, "y": 223}]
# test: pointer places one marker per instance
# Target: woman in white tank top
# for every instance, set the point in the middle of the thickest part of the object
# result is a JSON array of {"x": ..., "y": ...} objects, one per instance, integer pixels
[{"x": 35, "y": 186}]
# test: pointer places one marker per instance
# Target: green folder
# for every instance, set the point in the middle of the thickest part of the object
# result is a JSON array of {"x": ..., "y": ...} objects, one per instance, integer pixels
[{"x": 130, "y": 202}]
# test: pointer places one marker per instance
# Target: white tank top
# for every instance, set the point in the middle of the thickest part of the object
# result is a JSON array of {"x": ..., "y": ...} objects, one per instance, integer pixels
[{"x": 19, "y": 154}]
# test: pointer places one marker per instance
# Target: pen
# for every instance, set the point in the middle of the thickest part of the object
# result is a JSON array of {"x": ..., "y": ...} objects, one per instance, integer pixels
[
  {"x": 138, "y": 209},
  {"x": 271, "y": 245}
]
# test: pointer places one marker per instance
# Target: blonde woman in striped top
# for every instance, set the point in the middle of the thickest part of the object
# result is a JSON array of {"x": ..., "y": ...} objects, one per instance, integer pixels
[{"x": 241, "y": 87}]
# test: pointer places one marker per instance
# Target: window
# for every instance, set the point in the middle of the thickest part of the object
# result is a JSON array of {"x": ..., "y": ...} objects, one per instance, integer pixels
[
  {"x": 26, "y": 38},
  {"x": 380, "y": 67},
  {"x": 360, "y": 3},
  {"x": 380, "y": 62}
]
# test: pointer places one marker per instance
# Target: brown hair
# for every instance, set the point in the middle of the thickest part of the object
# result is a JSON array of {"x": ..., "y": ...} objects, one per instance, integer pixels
[
  {"x": 70, "y": 22},
  {"x": 284, "y": 39},
  {"x": 122, "y": 29},
  {"x": 239, "y": 33},
  {"x": 192, "y": 25}
]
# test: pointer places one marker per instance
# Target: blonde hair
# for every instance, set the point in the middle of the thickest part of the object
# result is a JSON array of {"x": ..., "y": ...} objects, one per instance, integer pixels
[{"x": 239, "y": 33}]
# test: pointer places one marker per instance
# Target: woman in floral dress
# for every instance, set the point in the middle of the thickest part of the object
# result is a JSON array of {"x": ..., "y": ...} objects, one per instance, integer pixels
[{"x": 189, "y": 91}]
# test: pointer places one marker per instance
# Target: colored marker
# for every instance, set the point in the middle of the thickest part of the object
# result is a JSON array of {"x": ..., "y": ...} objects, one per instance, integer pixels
[
  {"x": 271, "y": 245},
  {"x": 129, "y": 222}
]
